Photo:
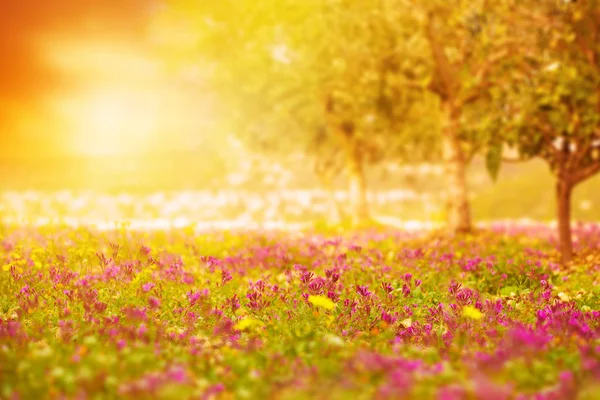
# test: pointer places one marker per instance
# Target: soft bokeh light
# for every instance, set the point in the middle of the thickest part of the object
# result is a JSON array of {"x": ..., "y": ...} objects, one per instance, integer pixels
[
  {"x": 122, "y": 99},
  {"x": 112, "y": 121},
  {"x": 143, "y": 109}
]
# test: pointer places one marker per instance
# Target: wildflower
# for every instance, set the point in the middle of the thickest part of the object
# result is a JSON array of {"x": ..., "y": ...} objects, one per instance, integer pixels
[
  {"x": 405, "y": 290},
  {"x": 543, "y": 313},
  {"x": 454, "y": 287},
  {"x": 387, "y": 287},
  {"x": 306, "y": 277},
  {"x": 333, "y": 295},
  {"x": 146, "y": 287},
  {"x": 259, "y": 286},
  {"x": 321, "y": 301},
  {"x": 154, "y": 302},
  {"x": 563, "y": 296},
  {"x": 332, "y": 275},
  {"x": 225, "y": 277},
  {"x": 387, "y": 318},
  {"x": 212, "y": 391},
  {"x": 145, "y": 250},
  {"x": 178, "y": 374},
  {"x": 334, "y": 340},
  {"x": 193, "y": 297},
  {"x": 246, "y": 323},
  {"x": 317, "y": 285},
  {"x": 363, "y": 291},
  {"x": 407, "y": 323},
  {"x": 472, "y": 313}
]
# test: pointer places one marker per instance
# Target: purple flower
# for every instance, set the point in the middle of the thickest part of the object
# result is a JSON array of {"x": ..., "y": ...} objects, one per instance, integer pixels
[
  {"x": 454, "y": 288},
  {"x": 363, "y": 291},
  {"x": 212, "y": 391},
  {"x": 387, "y": 287},
  {"x": 387, "y": 318},
  {"x": 146, "y": 287},
  {"x": 178, "y": 374},
  {"x": 306, "y": 277},
  {"x": 153, "y": 302},
  {"x": 225, "y": 276},
  {"x": 452, "y": 392}
]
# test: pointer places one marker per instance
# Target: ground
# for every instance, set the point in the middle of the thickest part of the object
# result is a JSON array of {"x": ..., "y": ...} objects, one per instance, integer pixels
[{"x": 367, "y": 314}]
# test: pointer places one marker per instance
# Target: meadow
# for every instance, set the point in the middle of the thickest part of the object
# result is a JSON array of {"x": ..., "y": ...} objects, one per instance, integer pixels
[
  {"x": 374, "y": 313},
  {"x": 283, "y": 199}
]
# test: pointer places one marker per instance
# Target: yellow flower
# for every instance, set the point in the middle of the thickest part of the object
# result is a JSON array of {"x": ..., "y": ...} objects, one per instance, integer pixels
[
  {"x": 407, "y": 323},
  {"x": 246, "y": 323},
  {"x": 563, "y": 296},
  {"x": 6, "y": 267},
  {"x": 334, "y": 340},
  {"x": 472, "y": 313},
  {"x": 321, "y": 301}
]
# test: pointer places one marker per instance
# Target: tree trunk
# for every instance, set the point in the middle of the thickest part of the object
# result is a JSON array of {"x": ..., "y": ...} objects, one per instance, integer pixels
[
  {"x": 359, "y": 206},
  {"x": 564, "y": 188},
  {"x": 458, "y": 207}
]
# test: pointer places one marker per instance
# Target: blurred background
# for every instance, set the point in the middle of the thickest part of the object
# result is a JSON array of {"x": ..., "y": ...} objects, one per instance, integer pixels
[{"x": 100, "y": 120}]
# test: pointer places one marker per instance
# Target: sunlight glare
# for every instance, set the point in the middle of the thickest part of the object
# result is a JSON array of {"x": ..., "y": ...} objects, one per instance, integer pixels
[{"x": 113, "y": 121}]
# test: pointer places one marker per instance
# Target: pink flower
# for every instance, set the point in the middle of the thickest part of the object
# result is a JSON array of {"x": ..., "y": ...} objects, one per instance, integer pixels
[
  {"x": 363, "y": 291},
  {"x": 405, "y": 290},
  {"x": 146, "y": 287},
  {"x": 154, "y": 302}
]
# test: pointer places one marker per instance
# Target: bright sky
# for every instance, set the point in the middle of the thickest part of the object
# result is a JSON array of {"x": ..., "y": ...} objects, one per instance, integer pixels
[{"x": 83, "y": 81}]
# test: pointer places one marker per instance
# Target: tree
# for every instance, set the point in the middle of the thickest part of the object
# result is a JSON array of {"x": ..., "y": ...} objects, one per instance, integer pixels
[
  {"x": 468, "y": 44},
  {"x": 288, "y": 69},
  {"x": 551, "y": 108}
]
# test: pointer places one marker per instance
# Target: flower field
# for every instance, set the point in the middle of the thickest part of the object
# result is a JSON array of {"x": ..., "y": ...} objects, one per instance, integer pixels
[{"x": 380, "y": 314}]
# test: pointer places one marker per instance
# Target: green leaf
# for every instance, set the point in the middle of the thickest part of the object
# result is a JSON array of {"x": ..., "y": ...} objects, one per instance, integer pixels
[
  {"x": 508, "y": 290},
  {"x": 493, "y": 160}
]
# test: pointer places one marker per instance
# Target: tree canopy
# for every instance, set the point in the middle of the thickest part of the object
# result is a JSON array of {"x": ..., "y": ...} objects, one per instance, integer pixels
[{"x": 403, "y": 80}]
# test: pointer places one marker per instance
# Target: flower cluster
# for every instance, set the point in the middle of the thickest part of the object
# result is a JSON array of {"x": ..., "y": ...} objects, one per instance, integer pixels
[{"x": 387, "y": 315}]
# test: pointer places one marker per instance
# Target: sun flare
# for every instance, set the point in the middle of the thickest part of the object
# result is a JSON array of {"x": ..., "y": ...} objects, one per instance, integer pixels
[
  {"x": 122, "y": 101},
  {"x": 112, "y": 121}
]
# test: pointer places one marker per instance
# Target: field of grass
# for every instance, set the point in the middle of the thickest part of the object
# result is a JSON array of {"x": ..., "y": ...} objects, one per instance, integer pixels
[
  {"x": 370, "y": 314},
  {"x": 527, "y": 190}
]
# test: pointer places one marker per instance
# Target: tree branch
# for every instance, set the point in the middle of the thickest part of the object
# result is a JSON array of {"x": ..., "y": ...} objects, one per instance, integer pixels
[
  {"x": 483, "y": 70},
  {"x": 579, "y": 155},
  {"x": 549, "y": 136},
  {"x": 444, "y": 67},
  {"x": 585, "y": 173}
]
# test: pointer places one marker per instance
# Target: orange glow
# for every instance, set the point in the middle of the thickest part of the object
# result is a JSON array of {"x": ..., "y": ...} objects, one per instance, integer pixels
[
  {"x": 112, "y": 121},
  {"x": 123, "y": 100},
  {"x": 113, "y": 107}
]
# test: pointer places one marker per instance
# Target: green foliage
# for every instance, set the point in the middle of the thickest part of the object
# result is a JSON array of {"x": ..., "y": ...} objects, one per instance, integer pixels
[
  {"x": 274, "y": 62},
  {"x": 177, "y": 315},
  {"x": 551, "y": 102},
  {"x": 493, "y": 159}
]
